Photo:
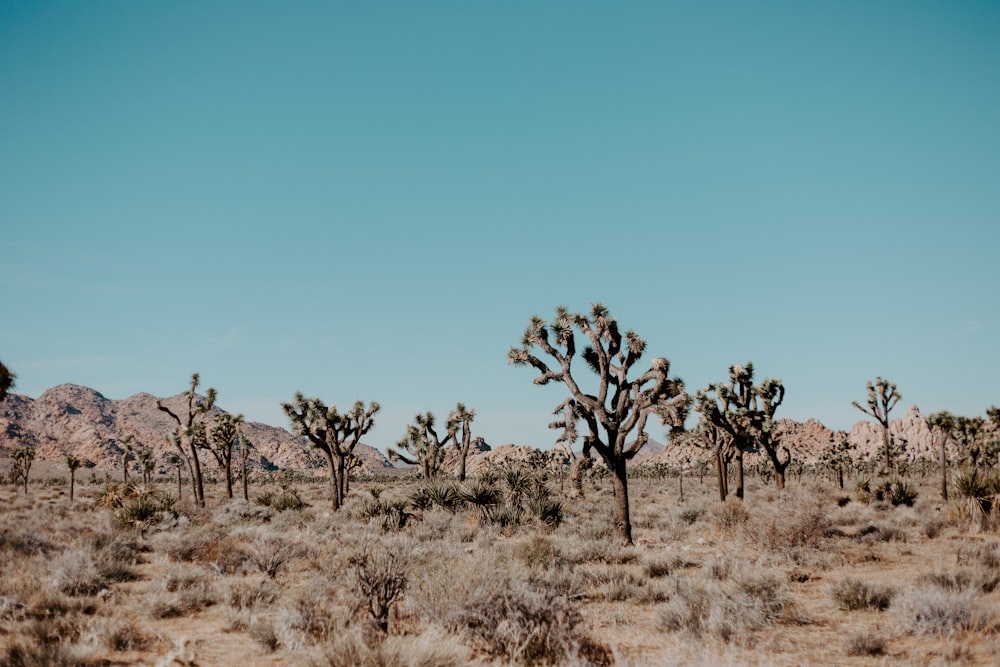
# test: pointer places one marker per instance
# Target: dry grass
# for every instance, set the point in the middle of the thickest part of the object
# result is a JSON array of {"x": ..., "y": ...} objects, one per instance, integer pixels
[{"x": 792, "y": 578}]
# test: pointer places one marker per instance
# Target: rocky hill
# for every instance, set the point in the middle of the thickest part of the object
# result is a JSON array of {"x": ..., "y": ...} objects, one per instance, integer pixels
[{"x": 78, "y": 420}]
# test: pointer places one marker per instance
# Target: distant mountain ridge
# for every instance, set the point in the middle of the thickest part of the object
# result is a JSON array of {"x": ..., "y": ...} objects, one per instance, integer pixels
[
  {"x": 74, "y": 419},
  {"x": 79, "y": 420}
]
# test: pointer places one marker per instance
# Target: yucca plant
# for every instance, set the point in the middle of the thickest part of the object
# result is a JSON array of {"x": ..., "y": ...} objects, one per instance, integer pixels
[
  {"x": 546, "y": 509},
  {"x": 980, "y": 494},
  {"x": 442, "y": 494},
  {"x": 480, "y": 494}
]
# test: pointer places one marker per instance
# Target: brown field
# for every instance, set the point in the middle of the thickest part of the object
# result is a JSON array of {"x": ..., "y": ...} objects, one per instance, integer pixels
[{"x": 810, "y": 578}]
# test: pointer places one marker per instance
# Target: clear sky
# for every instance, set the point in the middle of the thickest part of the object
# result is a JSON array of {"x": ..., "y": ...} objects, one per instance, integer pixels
[{"x": 369, "y": 200}]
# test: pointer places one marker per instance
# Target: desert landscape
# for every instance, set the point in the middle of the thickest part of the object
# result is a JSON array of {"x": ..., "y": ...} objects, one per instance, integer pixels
[
  {"x": 520, "y": 562},
  {"x": 431, "y": 334}
]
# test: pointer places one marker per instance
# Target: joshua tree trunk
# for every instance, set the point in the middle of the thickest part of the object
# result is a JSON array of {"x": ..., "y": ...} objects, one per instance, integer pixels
[
  {"x": 739, "y": 473},
  {"x": 334, "y": 485},
  {"x": 720, "y": 471},
  {"x": 623, "y": 520},
  {"x": 779, "y": 467},
  {"x": 944, "y": 471},
  {"x": 72, "y": 484}
]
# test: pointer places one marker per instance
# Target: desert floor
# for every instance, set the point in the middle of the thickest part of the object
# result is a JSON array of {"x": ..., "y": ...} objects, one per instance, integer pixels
[{"x": 808, "y": 577}]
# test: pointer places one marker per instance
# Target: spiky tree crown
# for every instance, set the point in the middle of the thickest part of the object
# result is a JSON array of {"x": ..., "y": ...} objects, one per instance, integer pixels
[
  {"x": 619, "y": 406},
  {"x": 882, "y": 398},
  {"x": 744, "y": 411}
]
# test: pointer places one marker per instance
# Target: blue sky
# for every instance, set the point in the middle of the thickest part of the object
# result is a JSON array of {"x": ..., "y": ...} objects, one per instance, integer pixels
[{"x": 370, "y": 200}]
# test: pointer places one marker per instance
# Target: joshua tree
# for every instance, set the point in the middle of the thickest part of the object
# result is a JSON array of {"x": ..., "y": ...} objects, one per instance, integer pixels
[
  {"x": 942, "y": 423},
  {"x": 189, "y": 434},
  {"x": 461, "y": 419},
  {"x": 745, "y": 413},
  {"x": 617, "y": 407},
  {"x": 7, "y": 378},
  {"x": 836, "y": 456},
  {"x": 178, "y": 463},
  {"x": 882, "y": 398},
  {"x": 22, "y": 458},
  {"x": 73, "y": 463},
  {"x": 334, "y": 434},
  {"x": 709, "y": 436},
  {"x": 224, "y": 436},
  {"x": 125, "y": 455},
  {"x": 969, "y": 434},
  {"x": 147, "y": 463},
  {"x": 245, "y": 447},
  {"x": 425, "y": 446}
]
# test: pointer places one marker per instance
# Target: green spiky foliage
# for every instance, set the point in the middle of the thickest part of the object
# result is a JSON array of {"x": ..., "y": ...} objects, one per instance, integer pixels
[
  {"x": 745, "y": 413},
  {"x": 188, "y": 435},
  {"x": 460, "y": 420},
  {"x": 882, "y": 398},
  {"x": 422, "y": 446},
  {"x": 224, "y": 437},
  {"x": 333, "y": 433},
  {"x": 20, "y": 468},
  {"x": 614, "y": 407},
  {"x": 7, "y": 378}
]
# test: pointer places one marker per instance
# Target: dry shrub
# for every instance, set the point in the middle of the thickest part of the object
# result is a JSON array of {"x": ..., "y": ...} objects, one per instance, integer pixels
[
  {"x": 270, "y": 553},
  {"x": 74, "y": 572},
  {"x": 730, "y": 610},
  {"x": 872, "y": 534},
  {"x": 536, "y": 551},
  {"x": 315, "y": 615},
  {"x": 982, "y": 554},
  {"x": 855, "y": 594},
  {"x": 181, "y": 591},
  {"x": 980, "y": 579},
  {"x": 866, "y": 643},
  {"x": 430, "y": 649},
  {"x": 619, "y": 584},
  {"x": 42, "y": 643},
  {"x": 527, "y": 625},
  {"x": 730, "y": 515},
  {"x": 932, "y": 610},
  {"x": 800, "y": 522}
]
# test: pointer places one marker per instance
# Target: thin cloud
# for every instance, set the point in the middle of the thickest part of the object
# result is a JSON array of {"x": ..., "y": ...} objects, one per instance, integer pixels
[{"x": 970, "y": 328}]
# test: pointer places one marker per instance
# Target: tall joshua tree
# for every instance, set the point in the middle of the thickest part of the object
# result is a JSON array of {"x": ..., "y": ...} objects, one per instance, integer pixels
[
  {"x": 460, "y": 419},
  {"x": 618, "y": 408},
  {"x": 73, "y": 463},
  {"x": 423, "y": 444},
  {"x": 882, "y": 398},
  {"x": 7, "y": 378},
  {"x": 745, "y": 413},
  {"x": 709, "y": 436},
  {"x": 189, "y": 434},
  {"x": 333, "y": 433},
  {"x": 125, "y": 456},
  {"x": 245, "y": 447},
  {"x": 942, "y": 423},
  {"x": 224, "y": 436},
  {"x": 20, "y": 468}
]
